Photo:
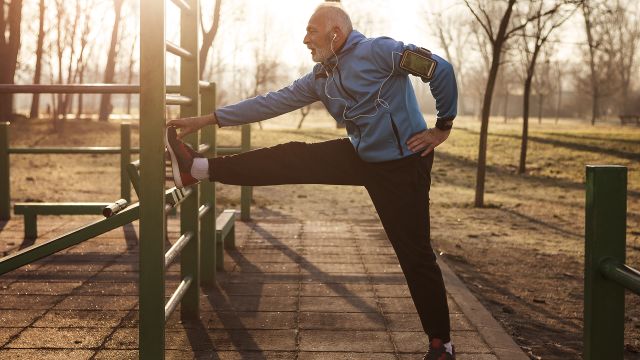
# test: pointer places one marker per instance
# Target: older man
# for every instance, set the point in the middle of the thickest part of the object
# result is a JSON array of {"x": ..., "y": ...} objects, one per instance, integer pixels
[{"x": 364, "y": 83}]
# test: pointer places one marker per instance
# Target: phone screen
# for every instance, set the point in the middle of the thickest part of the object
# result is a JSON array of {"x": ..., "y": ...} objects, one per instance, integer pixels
[{"x": 418, "y": 64}]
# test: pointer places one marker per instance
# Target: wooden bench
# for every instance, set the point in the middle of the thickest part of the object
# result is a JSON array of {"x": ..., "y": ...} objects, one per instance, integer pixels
[
  {"x": 629, "y": 118},
  {"x": 225, "y": 235},
  {"x": 32, "y": 210}
]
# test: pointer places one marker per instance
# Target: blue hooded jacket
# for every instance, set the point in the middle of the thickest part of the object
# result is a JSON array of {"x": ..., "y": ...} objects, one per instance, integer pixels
[{"x": 364, "y": 88}]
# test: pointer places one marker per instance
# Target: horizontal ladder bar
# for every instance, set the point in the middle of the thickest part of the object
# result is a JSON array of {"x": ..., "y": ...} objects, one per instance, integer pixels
[
  {"x": 36, "y": 252},
  {"x": 625, "y": 276},
  {"x": 176, "y": 297},
  {"x": 178, "y": 100},
  {"x": 69, "y": 150},
  {"x": 178, "y": 51},
  {"x": 97, "y": 88},
  {"x": 176, "y": 248},
  {"x": 182, "y": 5},
  {"x": 203, "y": 210}
]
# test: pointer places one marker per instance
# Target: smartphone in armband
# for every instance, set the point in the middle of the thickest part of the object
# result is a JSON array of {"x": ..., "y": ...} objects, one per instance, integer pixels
[{"x": 418, "y": 63}]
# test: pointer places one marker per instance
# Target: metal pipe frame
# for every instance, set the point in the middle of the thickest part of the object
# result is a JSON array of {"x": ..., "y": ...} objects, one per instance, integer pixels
[
  {"x": 179, "y": 100},
  {"x": 182, "y": 5},
  {"x": 177, "y": 297},
  {"x": 189, "y": 222},
  {"x": 208, "y": 197},
  {"x": 178, "y": 51},
  {"x": 605, "y": 232},
  {"x": 98, "y": 88},
  {"x": 35, "y": 252},
  {"x": 152, "y": 232},
  {"x": 107, "y": 150},
  {"x": 176, "y": 248}
]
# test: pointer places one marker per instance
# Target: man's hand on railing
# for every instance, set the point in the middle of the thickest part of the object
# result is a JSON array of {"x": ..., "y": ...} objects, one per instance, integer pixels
[{"x": 191, "y": 124}]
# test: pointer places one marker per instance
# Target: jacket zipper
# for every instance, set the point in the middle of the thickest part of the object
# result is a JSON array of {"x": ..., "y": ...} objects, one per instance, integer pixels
[
  {"x": 395, "y": 133},
  {"x": 343, "y": 88}
]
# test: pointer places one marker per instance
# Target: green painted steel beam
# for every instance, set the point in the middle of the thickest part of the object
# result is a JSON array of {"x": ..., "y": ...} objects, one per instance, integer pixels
[
  {"x": 71, "y": 150},
  {"x": 151, "y": 334},
  {"x": 5, "y": 189},
  {"x": 81, "y": 88},
  {"x": 63, "y": 208},
  {"x": 605, "y": 231},
  {"x": 189, "y": 221},
  {"x": 208, "y": 197},
  {"x": 125, "y": 160},
  {"x": 35, "y": 252},
  {"x": 246, "y": 192}
]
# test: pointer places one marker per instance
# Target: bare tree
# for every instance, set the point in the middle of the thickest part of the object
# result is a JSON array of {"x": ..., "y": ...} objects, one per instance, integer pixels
[
  {"x": 9, "y": 47},
  {"x": 482, "y": 11},
  {"x": 602, "y": 51},
  {"x": 109, "y": 72},
  {"x": 453, "y": 34},
  {"x": 208, "y": 36},
  {"x": 628, "y": 35},
  {"x": 304, "y": 111},
  {"x": 548, "y": 16},
  {"x": 81, "y": 64},
  {"x": 35, "y": 100},
  {"x": 266, "y": 66},
  {"x": 130, "y": 72}
]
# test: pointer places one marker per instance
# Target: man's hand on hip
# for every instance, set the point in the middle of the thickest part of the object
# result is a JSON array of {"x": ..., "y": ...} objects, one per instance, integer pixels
[{"x": 427, "y": 140}]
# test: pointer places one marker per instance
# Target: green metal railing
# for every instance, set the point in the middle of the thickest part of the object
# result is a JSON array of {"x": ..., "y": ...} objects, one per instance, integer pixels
[
  {"x": 606, "y": 275},
  {"x": 125, "y": 150}
]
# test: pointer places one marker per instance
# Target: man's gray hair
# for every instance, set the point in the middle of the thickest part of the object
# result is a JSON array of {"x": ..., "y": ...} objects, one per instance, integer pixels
[{"x": 336, "y": 16}]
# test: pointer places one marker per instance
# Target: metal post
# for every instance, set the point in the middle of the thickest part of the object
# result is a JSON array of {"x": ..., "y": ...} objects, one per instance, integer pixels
[
  {"x": 246, "y": 192},
  {"x": 605, "y": 230},
  {"x": 5, "y": 194},
  {"x": 189, "y": 86},
  {"x": 208, "y": 197},
  {"x": 152, "y": 173},
  {"x": 125, "y": 159}
]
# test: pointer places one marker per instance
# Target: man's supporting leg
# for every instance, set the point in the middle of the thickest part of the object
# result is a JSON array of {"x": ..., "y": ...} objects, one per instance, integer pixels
[
  {"x": 400, "y": 192},
  {"x": 329, "y": 162}
]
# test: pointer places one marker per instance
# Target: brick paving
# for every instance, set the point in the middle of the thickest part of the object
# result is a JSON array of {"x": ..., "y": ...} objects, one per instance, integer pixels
[{"x": 293, "y": 289}]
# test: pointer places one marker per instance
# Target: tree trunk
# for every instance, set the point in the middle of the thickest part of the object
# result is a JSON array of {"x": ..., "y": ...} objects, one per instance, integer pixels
[
  {"x": 506, "y": 105},
  {"x": 109, "y": 72},
  {"x": 559, "y": 103},
  {"x": 525, "y": 124},
  {"x": 9, "y": 48},
  {"x": 586, "y": 11},
  {"x": 304, "y": 111},
  {"x": 131, "y": 69},
  {"x": 35, "y": 100},
  {"x": 540, "y": 100},
  {"x": 209, "y": 36},
  {"x": 484, "y": 127}
]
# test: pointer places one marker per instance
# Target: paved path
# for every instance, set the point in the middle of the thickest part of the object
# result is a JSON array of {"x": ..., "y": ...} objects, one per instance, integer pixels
[{"x": 292, "y": 290}]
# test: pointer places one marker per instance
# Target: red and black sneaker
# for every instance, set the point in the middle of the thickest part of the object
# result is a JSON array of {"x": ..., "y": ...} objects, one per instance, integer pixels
[
  {"x": 437, "y": 351},
  {"x": 181, "y": 158}
]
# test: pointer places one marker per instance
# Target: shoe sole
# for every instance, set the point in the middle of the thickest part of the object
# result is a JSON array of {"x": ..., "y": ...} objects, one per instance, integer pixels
[{"x": 174, "y": 161}]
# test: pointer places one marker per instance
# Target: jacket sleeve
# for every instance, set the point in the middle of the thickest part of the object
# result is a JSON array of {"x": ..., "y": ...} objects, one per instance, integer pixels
[
  {"x": 387, "y": 53},
  {"x": 300, "y": 93}
]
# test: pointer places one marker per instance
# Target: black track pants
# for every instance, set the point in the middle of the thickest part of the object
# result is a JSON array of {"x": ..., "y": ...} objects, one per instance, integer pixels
[{"x": 399, "y": 190}]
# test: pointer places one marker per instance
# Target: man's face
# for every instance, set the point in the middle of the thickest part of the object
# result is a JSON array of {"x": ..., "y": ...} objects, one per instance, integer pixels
[{"x": 318, "y": 38}]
